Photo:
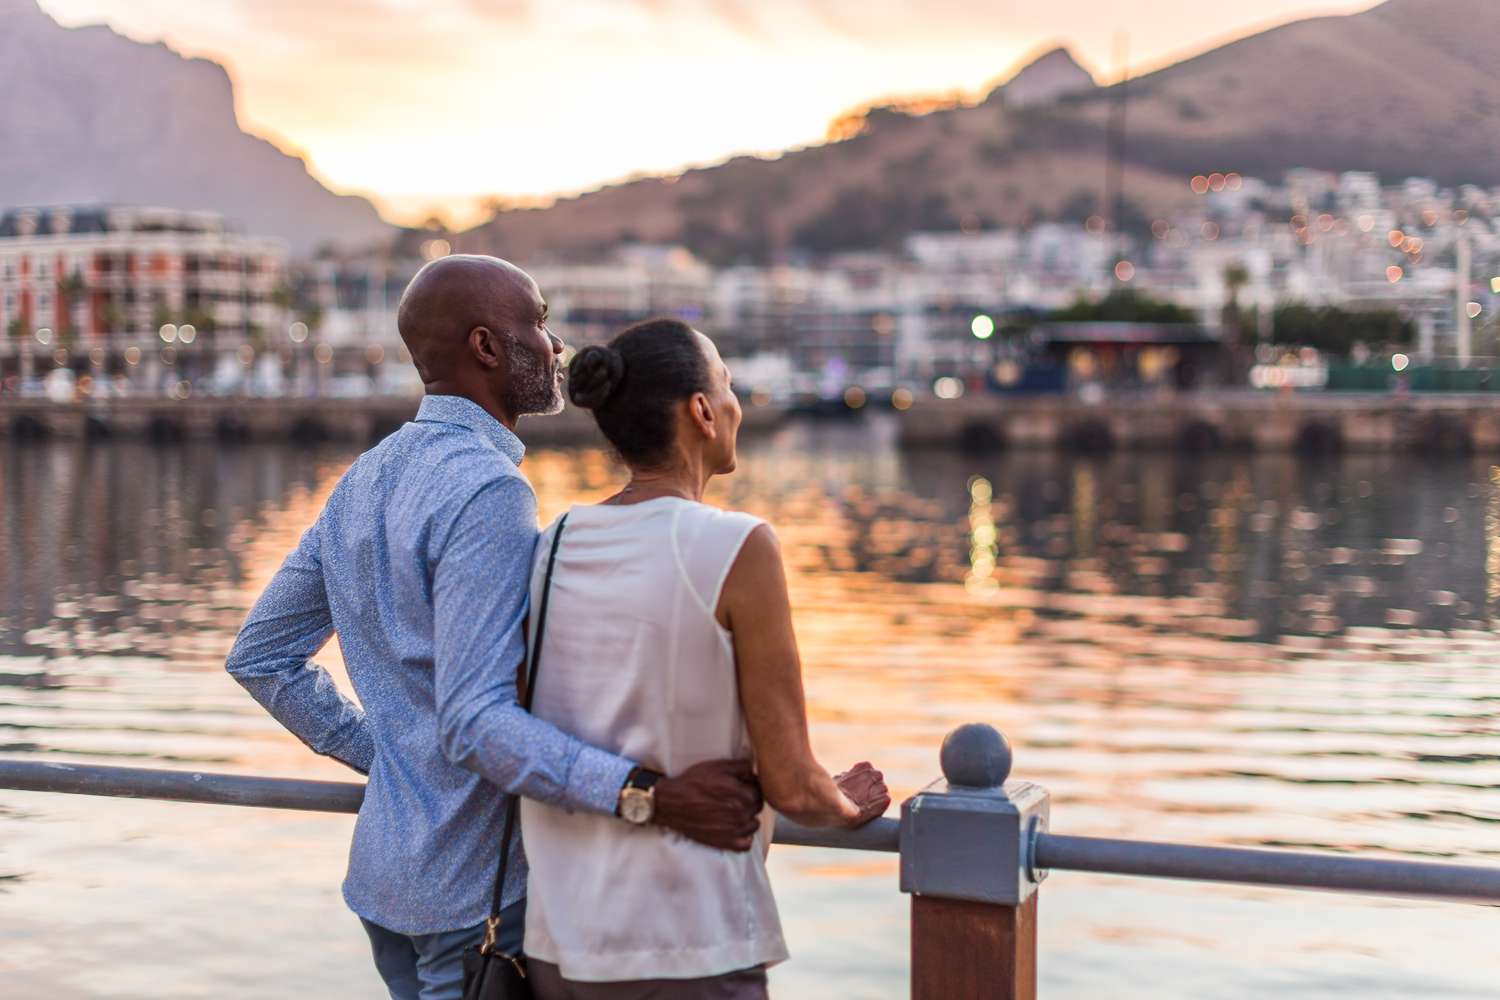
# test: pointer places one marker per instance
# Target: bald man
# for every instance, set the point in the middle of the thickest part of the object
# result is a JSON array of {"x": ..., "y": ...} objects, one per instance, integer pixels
[{"x": 420, "y": 563}]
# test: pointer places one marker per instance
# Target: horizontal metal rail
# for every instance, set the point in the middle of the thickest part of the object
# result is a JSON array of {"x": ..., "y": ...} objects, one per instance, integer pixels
[
  {"x": 320, "y": 796},
  {"x": 181, "y": 786},
  {"x": 1286, "y": 869}
]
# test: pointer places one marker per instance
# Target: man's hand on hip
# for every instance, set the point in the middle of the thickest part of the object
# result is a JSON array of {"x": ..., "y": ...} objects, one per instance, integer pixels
[{"x": 716, "y": 803}]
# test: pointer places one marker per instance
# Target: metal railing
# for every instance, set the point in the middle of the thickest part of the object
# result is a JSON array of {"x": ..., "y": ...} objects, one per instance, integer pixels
[
  {"x": 319, "y": 796},
  {"x": 974, "y": 849}
]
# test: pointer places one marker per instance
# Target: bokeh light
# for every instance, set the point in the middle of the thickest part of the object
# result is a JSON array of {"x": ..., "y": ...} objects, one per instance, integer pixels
[{"x": 947, "y": 387}]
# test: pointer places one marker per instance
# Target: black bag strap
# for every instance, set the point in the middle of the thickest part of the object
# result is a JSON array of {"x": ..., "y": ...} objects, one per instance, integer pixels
[{"x": 492, "y": 925}]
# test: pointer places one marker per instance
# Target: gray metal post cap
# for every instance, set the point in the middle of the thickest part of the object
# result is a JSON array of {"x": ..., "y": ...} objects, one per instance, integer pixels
[{"x": 976, "y": 756}]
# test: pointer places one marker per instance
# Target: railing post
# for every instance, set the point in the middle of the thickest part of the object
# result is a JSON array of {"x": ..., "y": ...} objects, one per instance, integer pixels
[{"x": 966, "y": 844}]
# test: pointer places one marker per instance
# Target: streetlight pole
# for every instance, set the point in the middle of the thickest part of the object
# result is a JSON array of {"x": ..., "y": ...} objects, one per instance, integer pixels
[{"x": 1464, "y": 325}]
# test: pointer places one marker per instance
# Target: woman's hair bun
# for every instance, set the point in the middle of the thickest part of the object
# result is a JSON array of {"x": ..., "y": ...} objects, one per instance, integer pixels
[{"x": 593, "y": 376}]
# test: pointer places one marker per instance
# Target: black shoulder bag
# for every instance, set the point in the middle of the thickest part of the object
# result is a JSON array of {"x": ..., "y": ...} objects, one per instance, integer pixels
[{"x": 489, "y": 973}]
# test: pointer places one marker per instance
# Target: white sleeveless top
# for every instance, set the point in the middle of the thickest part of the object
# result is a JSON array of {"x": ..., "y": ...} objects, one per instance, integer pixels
[{"x": 635, "y": 662}]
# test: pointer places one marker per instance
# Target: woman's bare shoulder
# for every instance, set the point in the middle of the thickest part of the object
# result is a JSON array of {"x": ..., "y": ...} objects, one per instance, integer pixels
[{"x": 757, "y": 572}]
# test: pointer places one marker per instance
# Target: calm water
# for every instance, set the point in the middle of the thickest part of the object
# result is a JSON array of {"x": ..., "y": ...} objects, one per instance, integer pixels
[{"x": 1247, "y": 651}]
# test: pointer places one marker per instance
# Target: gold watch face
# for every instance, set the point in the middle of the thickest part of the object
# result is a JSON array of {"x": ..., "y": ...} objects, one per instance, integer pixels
[{"x": 636, "y": 806}]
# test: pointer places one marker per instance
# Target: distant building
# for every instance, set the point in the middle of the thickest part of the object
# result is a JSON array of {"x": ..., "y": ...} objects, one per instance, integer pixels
[
  {"x": 1311, "y": 190},
  {"x": 590, "y": 303},
  {"x": 98, "y": 273},
  {"x": 1359, "y": 191}
]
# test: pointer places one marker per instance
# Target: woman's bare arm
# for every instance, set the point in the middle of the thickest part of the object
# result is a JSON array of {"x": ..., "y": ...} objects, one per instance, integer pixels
[{"x": 755, "y": 607}]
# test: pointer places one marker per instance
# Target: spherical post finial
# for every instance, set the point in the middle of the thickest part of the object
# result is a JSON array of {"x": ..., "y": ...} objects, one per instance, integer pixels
[{"x": 976, "y": 756}]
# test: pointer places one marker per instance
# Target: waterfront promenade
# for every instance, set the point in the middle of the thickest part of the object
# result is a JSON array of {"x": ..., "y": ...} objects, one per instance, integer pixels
[
  {"x": 305, "y": 419},
  {"x": 1308, "y": 422}
]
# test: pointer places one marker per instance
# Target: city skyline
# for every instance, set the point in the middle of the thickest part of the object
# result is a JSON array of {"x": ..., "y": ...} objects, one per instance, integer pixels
[{"x": 769, "y": 77}]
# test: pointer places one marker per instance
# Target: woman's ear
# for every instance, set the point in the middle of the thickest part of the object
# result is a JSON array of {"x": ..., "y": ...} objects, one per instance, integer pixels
[{"x": 702, "y": 412}]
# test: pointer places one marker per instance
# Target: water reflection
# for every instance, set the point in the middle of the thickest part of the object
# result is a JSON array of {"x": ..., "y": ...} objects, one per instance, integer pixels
[{"x": 1228, "y": 650}]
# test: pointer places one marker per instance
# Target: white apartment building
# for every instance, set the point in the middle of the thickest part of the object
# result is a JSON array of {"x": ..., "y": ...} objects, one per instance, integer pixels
[{"x": 98, "y": 274}]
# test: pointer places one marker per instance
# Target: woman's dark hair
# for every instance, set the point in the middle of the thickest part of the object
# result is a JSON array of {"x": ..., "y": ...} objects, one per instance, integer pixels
[{"x": 633, "y": 383}]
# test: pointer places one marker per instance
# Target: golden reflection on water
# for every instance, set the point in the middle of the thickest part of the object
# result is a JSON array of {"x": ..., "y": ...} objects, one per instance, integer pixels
[
  {"x": 1244, "y": 651},
  {"x": 1492, "y": 545}
]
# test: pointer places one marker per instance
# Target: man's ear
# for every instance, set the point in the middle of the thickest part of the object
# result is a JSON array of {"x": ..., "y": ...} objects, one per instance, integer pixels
[
  {"x": 484, "y": 344},
  {"x": 703, "y": 415}
]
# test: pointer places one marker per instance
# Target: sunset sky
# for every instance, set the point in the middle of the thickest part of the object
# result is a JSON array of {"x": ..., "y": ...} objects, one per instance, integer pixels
[{"x": 436, "y": 104}]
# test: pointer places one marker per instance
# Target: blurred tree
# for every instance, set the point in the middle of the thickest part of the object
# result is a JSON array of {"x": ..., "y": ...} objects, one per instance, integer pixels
[
  {"x": 73, "y": 288},
  {"x": 1236, "y": 277},
  {"x": 1123, "y": 306},
  {"x": 113, "y": 316},
  {"x": 1335, "y": 331},
  {"x": 311, "y": 314},
  {"x": 201, "y": 318},
  {"x": 1079, "y": 206}
]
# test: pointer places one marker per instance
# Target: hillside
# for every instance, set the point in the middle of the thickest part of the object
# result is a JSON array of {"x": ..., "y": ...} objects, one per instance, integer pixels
[
  {"x": 1404, "y": 89},
  {"x": 90, "y": 116}
]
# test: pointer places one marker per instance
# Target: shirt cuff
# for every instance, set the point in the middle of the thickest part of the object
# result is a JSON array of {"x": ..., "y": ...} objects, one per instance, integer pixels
[
  {"x": 359, "y": 752},
  {"x": 597, "y": 778}
]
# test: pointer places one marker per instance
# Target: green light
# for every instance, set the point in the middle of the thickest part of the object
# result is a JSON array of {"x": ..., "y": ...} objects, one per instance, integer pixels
[{"x": 983, "y": 327}]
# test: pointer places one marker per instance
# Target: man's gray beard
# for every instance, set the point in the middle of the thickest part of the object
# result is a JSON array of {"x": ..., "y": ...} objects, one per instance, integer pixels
[{"x": 534, "y": 389}]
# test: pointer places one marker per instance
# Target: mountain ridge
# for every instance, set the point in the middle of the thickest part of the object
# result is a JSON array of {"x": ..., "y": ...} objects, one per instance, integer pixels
[
  {"x": 1052, "y": 73},
  {"x": 169, "y": 135},
  {"x": 1402, "y": 89}
]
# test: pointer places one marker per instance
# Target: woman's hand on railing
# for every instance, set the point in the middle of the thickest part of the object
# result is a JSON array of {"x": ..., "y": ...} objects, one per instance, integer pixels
[{"x": 865, "y": 787}]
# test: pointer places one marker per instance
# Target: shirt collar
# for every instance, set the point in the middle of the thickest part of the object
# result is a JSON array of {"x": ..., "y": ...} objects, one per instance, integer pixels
[{"x": 467, "y": 413}]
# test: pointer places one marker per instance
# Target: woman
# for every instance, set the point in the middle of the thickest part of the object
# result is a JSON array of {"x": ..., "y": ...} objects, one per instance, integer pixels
[{"x": 668, "y": 639}]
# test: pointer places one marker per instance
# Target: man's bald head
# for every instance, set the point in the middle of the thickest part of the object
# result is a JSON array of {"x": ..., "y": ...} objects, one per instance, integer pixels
[
  {"x": 452, "y": 296},
  {"x": 477, "y": 327}
]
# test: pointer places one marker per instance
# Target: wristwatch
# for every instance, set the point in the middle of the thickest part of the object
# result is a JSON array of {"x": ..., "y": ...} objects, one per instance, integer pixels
[{"x": 638, "y": 797}]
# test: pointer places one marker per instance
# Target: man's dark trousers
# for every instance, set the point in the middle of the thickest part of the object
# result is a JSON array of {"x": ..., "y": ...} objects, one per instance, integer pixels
[{"x": 430, "y": 966}]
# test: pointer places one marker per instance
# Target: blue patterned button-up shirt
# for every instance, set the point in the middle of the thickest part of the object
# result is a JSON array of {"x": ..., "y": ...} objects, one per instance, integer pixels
[{"x": 421, "y": 562}]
